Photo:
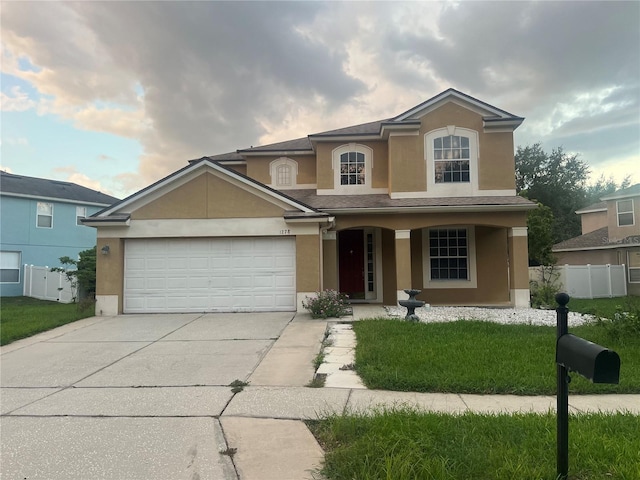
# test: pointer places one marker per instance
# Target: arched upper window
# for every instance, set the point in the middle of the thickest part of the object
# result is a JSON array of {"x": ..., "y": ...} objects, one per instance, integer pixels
[
  {"x": 452, "y": 161},
  {"x": 352, "y": 164},
  {"x": 284, "y": 172}
]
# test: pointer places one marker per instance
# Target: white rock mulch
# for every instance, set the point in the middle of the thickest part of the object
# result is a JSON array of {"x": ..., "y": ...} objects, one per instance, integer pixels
[{"x": 528, "y": 316}]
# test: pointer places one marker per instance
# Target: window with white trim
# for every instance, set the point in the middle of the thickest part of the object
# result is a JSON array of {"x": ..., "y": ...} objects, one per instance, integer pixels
[
  {"x": 449, "y": 254},
  {"x": 451, "y": 154},
  {"x": 352, "y": 165},
  {"x": 44, "y": 215},
  {"x": 81, "y": 212},
  {"x": 625, "y": 212},
  {"x": 284, "y": 172},
  {"x": 633, "y": 266},
  {"x": 9, "y": 267},
  {"x": 451, "y": 159}
]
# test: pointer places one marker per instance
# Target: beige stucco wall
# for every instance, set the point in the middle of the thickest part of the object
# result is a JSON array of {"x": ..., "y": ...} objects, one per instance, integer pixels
[
  {"x": 258, "y": 168},
  {"x": 593, "y": 221},
  {"x": 330, "y": 264},
  {"x": 325, "y": 173},
  {"x": 618, "y": 233},
  {"x": 308, "y": 263},
  {"x": 110, "y": 269},
  {"x": 389, "y": 289},
  {"x": 519, "y": 262},
  {"x": 407, "y": 221},
  {"x": 207, "y": 196},
  {"x": 589, "y": 257},
  {"x": 407, "y": 167}
]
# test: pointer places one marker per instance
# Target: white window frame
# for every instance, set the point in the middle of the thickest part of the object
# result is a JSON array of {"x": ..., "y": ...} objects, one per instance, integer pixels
[
  {"x": 38, "y": 214},
  {"x": 283, "y": 162},
  {"x": 625, "y": 212},
  {"x": 7, "y": 262},
  {"x": 472, "y": 281},
  {"x": 636, "y": 269},
  {"x": 452, "y": 189},
  {"x": 81, "y": 212},
  {"x": 368, "y": 167}
]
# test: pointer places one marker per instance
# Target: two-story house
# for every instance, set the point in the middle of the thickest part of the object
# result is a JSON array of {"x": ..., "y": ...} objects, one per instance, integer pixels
[
  {"x": 40, "y": 221},
  {"x": 422, "y": 200},
  {"x": 610, "y": 236}
]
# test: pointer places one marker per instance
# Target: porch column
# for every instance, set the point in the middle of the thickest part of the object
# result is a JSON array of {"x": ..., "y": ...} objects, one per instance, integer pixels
[
  {"x": 329, "y": 261},
  {"x": 403, "y": 262},
  {"x": 519, "y": 267}
]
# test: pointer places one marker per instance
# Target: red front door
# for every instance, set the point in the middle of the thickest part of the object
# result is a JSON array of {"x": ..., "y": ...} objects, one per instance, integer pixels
[{"x": 351, "y": 262}]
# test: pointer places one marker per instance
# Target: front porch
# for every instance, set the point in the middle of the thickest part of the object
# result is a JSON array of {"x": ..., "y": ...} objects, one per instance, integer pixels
[{"x": 453, "y": 264}]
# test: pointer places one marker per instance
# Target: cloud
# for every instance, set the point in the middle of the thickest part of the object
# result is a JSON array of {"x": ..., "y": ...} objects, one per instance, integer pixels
[
  {"x": 18, "y": 101},
  {"x": 199, "y": 78},
  {"x": 15, "y": 141},
  {"x": 71, "y": 174}
]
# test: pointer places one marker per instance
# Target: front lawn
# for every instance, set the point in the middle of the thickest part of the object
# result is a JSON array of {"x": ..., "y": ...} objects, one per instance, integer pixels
[
  {"x": 478, "y": 357},
  {"x": 604, "y": 307},
  {"x": 22, "y": 317},
  {"x": 406, "y": 445}
]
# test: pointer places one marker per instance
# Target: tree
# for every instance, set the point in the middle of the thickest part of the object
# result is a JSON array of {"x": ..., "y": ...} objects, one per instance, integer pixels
[
  {"x": 83, "y": 276},
  {"x": 540, "y": 239},
  {"x": 557, "y": 180},
  {"x": 604, "y": 186}
]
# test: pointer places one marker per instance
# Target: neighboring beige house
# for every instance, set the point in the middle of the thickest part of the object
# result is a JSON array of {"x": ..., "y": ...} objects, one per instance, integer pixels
[
  {"x": 423, "y": 200},
  {"x": 610, "y": 236}
]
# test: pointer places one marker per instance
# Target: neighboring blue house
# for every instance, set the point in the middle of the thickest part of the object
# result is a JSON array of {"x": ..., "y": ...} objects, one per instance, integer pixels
[{"x": 40, "y": 222}]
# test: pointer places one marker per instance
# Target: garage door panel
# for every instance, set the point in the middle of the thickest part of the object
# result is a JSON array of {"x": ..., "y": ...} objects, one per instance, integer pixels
[{"x": 210, "y": 274}]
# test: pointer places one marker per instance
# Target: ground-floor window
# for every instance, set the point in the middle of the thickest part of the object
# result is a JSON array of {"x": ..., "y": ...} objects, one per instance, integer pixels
[
  {"x": 449, "y": 257},
  {"x": 9, "y": 267},
  {"x": 633, "y": 262}
]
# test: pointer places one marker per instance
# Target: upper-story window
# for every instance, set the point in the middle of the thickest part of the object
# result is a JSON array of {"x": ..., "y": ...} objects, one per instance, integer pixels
[
  {"x": 352, "y": 166},
  {"x": 451, "y": 154},
  {"x": 45, "y": 215},
  {"x": 451, "y": 159},
  {"x": 283, "y": 172},
  {"x": 81, "y": 212},
  {"x": 625, "y": 212}
]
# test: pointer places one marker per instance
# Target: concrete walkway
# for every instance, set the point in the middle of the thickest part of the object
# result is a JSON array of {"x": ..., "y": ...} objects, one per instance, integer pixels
[{"x": 148, "y": 397}]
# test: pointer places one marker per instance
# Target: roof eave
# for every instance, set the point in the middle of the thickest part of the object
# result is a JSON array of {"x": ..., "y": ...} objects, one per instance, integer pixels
[
  {"x": 433, "y": 208},
  {"x": 55, "y": 199}
]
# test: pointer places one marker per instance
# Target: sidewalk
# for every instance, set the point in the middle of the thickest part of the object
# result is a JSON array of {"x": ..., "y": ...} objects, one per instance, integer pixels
[{"x": 264, "y": 421}]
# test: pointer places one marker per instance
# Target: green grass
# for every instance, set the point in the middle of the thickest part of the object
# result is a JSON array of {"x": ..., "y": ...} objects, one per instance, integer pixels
[
  {"x": 405, "y": 445},
  {"x": 22, "y": 317},
  {"x": 604, "y": 307},
  {"x": 478, "y": 357}
]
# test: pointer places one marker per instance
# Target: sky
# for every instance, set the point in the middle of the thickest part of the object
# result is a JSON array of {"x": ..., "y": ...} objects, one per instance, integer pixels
[{"x": 116, "y": 95}]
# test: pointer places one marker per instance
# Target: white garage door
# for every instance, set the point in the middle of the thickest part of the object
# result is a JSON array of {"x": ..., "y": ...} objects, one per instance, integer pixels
[{"x": 210, "y": 275}]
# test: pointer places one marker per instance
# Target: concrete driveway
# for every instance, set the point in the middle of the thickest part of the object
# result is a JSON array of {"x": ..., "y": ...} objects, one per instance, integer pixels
[{"x": 135, "y": 397}]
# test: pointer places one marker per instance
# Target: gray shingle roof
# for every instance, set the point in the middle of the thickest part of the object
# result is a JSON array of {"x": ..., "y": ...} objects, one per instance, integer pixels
[
  {"x": 596, "y": 239},
  {"x": 289, "y": 145},
  {"x": 45, "y": 188},
  {"x": 625, "y": 192},
  {"x": 382, "y": 201},
  {"x": 592, "y": 207}
]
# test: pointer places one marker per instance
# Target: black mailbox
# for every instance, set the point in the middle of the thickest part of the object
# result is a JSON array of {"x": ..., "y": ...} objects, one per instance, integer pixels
[{"x": 597, "y": 363}]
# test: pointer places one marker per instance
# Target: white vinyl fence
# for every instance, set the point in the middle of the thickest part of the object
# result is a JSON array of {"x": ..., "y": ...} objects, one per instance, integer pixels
[
  {"x": 40, "y": 282},
  {"x": 587, "y": 281}
]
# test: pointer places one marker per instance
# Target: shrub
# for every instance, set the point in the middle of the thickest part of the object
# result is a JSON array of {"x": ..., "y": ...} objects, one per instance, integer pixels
[
  {"x": 326, "y": 304},
  {"x": 543, "y": 292},
  {"x": 624, "y": 325}
]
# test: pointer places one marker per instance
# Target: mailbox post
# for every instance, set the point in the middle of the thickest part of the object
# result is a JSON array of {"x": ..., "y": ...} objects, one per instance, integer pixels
[{"x": 597, "y": 363}]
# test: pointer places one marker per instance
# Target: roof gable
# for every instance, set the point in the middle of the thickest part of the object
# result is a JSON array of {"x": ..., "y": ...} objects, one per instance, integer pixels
[{"x": 185, "y": 175}]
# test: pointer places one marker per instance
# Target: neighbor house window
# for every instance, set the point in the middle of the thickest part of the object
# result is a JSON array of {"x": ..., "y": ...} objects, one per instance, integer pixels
[
  {"x": 625, "y": 212},
  {"x": 9, "y": 267},
  {"x": 633, "y": 262},
  {"x": 451, "y": 156},
  {"x": 81, "y": 212},
  {"x": 283, "y": 172},
  {"x": 352, "y": 169},
  {"x": 449, "y": 254},
  {"x": 45, "y": 215}
]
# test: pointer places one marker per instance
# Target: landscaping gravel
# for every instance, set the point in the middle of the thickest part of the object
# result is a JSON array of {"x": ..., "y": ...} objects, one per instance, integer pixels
[{"x": 528, "y": 316}]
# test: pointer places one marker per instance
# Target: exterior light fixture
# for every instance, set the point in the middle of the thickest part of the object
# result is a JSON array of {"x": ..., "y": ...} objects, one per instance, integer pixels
[{"x": 105, "y": 250}]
